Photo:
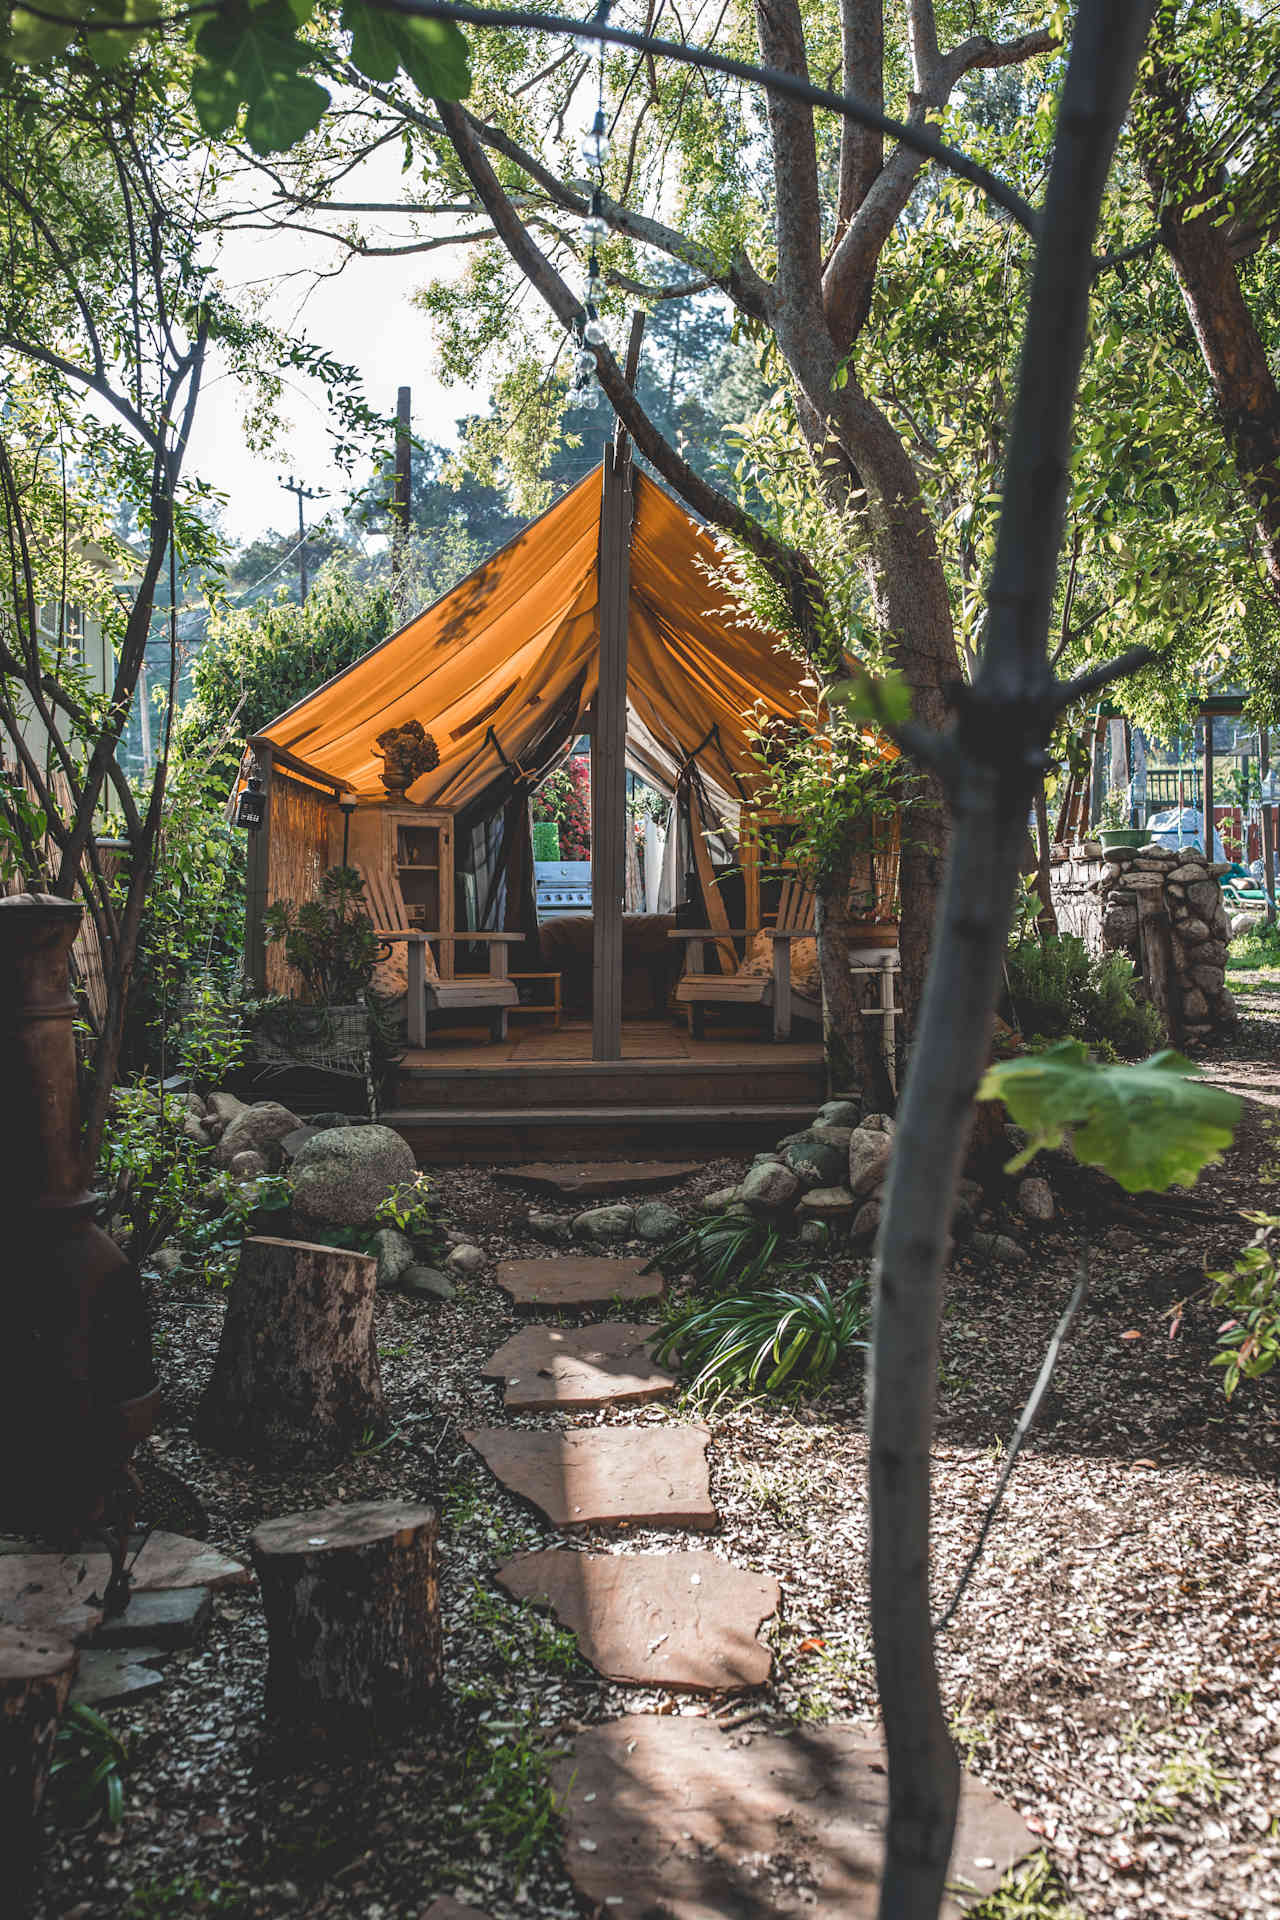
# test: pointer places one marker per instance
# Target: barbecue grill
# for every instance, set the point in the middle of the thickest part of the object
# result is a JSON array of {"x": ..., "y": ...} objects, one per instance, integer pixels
[{"x": 561, "y": 886}]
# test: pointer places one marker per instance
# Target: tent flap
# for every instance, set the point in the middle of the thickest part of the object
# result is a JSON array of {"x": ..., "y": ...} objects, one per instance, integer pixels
[{"x": 491, "y": 664}]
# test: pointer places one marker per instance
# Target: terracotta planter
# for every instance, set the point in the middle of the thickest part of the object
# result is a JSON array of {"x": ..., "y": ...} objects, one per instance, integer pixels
[{"x": 77, "y": 1384}]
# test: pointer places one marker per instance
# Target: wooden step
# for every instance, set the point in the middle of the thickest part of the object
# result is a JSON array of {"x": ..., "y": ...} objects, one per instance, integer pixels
[
  {"x": 448, "y": 1134},
  {"x": 609, "y": 1083}
]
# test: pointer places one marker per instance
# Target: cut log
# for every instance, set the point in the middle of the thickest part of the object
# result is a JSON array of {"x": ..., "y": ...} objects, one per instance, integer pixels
[
  {"x": 353, "y": 1618},
  {"x": 297, "y": 1369},
  {"x": 36, "y": 1672}
]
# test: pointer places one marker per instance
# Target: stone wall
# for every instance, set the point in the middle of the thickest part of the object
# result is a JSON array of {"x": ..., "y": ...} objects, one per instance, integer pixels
[{"x": 1165, "y": 910}]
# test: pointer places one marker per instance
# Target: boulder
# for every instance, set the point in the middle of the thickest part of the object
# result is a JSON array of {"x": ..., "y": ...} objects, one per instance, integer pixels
[
  {"x": 1204, "y": 897},
  {"x": 877, "y": 1123},
  {"x": 393, "y": 1252},
  {"x": 1035, "y": 1199},
  {"x": 1189, "y": 871},
  {"x": 1194, "y": 1004},
  {"x": 826, "y": 1203},
  {"x": 466, "y": 1258},
  {"x": 837, "y": 1113},
  {"x": 769, "y": 1188},
  {"x": 1192, "y": 931},
  {"x": 258, "y": 1129},
  {"x": 550, "y": 1226},
  {"x": 866, "y": 1222},
  {"x": 248, "y": 1165},
  {"x": 1208, "y": 979},
  {"x": 343, "y": 1174},
  {"x": 655, "y": 1220},
  {"x": 194, "y": 1105},
  {"x": 812, "y": 1233},
  {"x": 831, "y": 1136},
  {"x": 427, "y": 1283},
  {"x": 817, "y": 1164},
  {"x": 194, "y": 1130},
  {"x": 719, "y": 1201},
  {"x": 998, "y": 1247},
  {"x": 614, "y": 1222},
  {"x": 166, "y": 1261},
  {"x": 225, "y": 1107},
  {"x": 293, "y": 1143},
  {"x": 869, "y": 1156},
  {"x": 332, "y": 1118}
]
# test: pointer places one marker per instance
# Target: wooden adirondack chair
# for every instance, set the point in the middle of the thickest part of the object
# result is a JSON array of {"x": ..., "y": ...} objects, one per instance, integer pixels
[
  {"x": 426, "y": 990},
  {"x": 746, "y": 986}
]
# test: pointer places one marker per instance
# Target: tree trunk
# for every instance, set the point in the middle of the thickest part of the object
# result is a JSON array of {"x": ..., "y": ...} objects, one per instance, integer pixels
[
  {"x": 1231, "y": 346},
  {"x": 353, "y": 1618},
  {"x": 35, "y": 1679},
  {"x": 992, "y": 762},
  {"x": 296, "y": 1375}
]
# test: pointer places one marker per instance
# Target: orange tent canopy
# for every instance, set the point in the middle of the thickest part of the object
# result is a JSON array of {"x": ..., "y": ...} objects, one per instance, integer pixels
[{"x": 487, "y": 667}]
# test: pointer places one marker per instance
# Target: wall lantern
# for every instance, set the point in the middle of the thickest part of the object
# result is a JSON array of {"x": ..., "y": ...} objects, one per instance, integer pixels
[{"x": 251, "y": 806}]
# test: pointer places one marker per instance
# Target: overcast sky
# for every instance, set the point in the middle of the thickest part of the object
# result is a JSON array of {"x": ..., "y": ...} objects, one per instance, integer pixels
[{"x": 363, "y": 317}]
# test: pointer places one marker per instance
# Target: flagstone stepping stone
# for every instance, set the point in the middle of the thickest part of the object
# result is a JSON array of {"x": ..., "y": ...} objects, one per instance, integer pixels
[
  {"x": 108, "y": 1675},
  {"x": 599, "y": 1177},
  {"x": 596, "y": 1476},
  {"x": 62, "y": 1592},
  {"x": 585, "y": 1367},
  {"x": 670, "y": 1815},
  {"x": 661, "y": 1619},
  {"x": 577, "y": 1280}
]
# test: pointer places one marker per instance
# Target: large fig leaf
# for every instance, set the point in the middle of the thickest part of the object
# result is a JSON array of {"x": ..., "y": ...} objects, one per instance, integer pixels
[{"x": 1150, "y": 1126}]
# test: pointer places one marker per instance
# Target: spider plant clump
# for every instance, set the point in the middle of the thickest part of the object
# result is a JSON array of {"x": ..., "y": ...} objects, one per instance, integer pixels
[
  {"x": 766, "y": 1340},
  {"x": 725, "y": 1249}
]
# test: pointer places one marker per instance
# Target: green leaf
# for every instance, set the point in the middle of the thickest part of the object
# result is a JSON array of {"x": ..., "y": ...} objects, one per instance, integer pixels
[
  {"x": 433, "y": 53},
  {"x": 251, "y": 57},
  {"x": 30, "y": 39},
  {"x": 1150, "y": 1126},
  {"x": 884, "y": 699}
]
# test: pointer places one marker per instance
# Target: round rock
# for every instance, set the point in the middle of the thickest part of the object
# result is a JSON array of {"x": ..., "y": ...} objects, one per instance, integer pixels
[
  {"x": 1035, "y": 1199},
  {"x": 393, "y": 1252},
  {"x": 769, "y": 1187},
  {"x": 257, "y": 1129},
  {"x": 656, "y": 1221},
  {"x": 615, "y": 1222},
  {"x": 466, "y": 1258},
  {"x": 343, "y": 1175}
]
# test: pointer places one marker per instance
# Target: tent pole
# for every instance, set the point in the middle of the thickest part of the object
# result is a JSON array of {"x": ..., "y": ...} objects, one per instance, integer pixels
[{"x": 609, "y": 737}]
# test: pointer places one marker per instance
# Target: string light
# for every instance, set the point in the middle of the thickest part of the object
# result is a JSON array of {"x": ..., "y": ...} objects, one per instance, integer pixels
[{"x": 589, "y": 329}]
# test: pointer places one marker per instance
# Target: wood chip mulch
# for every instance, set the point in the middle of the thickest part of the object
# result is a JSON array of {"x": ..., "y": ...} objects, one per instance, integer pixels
[{"x": 1113, "y": 1672}]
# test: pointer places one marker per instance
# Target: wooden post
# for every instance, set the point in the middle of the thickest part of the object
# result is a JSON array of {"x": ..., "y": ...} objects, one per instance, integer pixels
[
  {"x": 609, "y": 737},
  {"x": 353, "y": 1618},
  {"x": 401, "y": 493},
  {"x": 297, "y": 1374},
  {"x": 416, "y": 989},
  {"x": 1209, "y": 853},
  {"x": 1156, "y": 931},
  {"x": 257, "y": 877},
  {"x": 1268, "y": 828}
]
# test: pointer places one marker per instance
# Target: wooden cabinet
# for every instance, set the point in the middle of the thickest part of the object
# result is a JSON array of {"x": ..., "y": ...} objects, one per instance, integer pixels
[{"x": 406, "y": 856}]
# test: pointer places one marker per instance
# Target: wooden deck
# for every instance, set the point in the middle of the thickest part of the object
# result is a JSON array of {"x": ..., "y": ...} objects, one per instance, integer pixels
[{"x": 539, "y": 1092}]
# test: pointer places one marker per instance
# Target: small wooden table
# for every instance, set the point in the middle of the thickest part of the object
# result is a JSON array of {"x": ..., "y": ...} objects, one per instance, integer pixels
[{"x": 552, "y": 1006}]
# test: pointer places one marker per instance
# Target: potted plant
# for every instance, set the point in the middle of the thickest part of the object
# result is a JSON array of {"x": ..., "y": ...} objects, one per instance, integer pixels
[
  {"x": 330, "y": 941},
  {"x": 1114, "y": 830}
]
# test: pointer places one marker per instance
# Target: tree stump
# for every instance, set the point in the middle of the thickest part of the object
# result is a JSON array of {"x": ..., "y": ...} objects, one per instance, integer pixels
[
  {"x": 297, "y": 1368},
  {"x": 353, "y": 1618},
  {"x": 36, "y": 1672}
]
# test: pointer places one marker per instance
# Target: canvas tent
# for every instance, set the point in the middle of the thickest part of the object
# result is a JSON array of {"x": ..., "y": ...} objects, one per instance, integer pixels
[{"x": 503, "y": 669}]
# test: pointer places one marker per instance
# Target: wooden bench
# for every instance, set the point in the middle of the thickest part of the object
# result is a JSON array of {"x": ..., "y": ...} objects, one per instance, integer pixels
[{"x": 430, "y": 989}]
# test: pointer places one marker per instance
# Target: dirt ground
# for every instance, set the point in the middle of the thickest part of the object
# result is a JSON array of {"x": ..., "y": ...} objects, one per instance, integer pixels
[{"x": 1114, "y": 1669}]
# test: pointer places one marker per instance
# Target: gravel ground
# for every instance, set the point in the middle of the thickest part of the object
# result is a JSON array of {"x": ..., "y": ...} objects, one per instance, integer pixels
[{"x": 1114, "y": 1669}]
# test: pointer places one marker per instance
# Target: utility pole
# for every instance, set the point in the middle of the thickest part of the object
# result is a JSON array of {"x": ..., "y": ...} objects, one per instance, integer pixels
[
  {"x": 401, "y": 493},
  {"x": 304, "y": 493}
]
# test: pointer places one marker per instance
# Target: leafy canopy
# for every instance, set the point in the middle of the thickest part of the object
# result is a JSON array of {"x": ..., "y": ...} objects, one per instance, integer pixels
[
  {"x": 255, "y": 56},
  {"x": 1150, "y": 1126}
]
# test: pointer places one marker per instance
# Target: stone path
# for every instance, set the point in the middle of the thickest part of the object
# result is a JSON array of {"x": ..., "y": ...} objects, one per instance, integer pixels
[
  {"x": 583, "y": 1367},
  {"x": 658, "y": 1619},
  {"x": 666, "y": 1813},
  {"x": 598, "y": 1179},
  {"x": 651, "y": 1476},
  {"x": 577, "y": 1280},
  {"x": 670, "y": 1815},
  {"x": 170, "y": 1607}
]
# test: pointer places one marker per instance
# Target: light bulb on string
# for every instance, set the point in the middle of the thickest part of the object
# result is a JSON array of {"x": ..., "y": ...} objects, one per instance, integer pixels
[
  {"x": 593, "y": 332},
  {"x": 595, "y": 142},
  {"x": 595, "y": 280}
]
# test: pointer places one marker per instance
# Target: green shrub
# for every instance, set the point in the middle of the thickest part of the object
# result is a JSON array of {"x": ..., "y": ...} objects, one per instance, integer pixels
[
  {"x": 771, "y": 1339},
  {"x": 1057, "y": 989},
  {"x": 1258, "y": 947},
  {"x": 331, "y": 940},
  {"x": 1249, "y": 1340},
  {"x": 546, "y": 840}
]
